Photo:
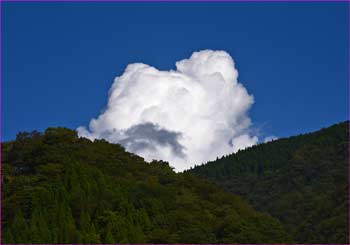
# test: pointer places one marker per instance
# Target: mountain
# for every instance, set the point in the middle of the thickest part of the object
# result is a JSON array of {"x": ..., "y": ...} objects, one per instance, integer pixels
[
  {"x": 303, "y": 181},
  {"x": 59, "y": 188}
]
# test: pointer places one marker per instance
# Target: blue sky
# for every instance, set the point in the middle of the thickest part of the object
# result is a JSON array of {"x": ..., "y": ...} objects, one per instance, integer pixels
[{"x": 59, "y": 59}]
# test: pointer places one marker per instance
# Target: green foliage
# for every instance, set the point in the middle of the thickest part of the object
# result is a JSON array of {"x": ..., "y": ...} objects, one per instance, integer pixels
[
  {"x": 58, "y": 188},
  {"x": 302, "y": 181}
]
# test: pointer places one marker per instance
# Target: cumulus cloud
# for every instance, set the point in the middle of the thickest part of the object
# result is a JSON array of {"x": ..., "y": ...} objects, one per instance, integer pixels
[{"x": 188, "y": 116}]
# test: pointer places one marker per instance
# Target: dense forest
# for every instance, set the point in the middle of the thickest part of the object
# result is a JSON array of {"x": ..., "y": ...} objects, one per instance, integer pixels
[
  {"x": 301, "y": 180},
  {"x": 59, "y": 188}
]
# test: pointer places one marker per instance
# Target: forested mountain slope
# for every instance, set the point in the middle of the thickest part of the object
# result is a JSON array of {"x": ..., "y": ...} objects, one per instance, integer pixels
[
  {"x": 302, "y": 181},
  {"x": 58, "y": 188}
]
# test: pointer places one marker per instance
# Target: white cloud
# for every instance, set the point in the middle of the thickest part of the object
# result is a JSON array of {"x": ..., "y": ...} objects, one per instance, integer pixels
[{"x": 186, "y": 117}]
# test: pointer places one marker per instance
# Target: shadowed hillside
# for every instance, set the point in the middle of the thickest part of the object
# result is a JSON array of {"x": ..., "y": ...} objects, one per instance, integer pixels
[
  {"x": 302, "y": 181},
  {"x": 58, "y": 188}
]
